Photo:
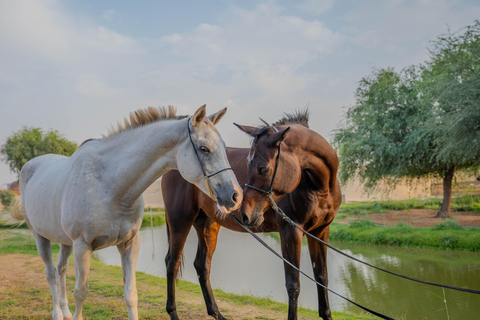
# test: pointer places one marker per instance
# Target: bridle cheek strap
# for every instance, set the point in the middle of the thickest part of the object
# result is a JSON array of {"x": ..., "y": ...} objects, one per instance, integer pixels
[
  {"x": 205, "y": 175},
  {"x": 270, "y": 189}
]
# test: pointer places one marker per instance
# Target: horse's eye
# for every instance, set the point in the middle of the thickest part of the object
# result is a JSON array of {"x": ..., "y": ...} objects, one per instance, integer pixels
[
  {"x": 204, "y": 149},
  {"x": 262, "y": 170}
]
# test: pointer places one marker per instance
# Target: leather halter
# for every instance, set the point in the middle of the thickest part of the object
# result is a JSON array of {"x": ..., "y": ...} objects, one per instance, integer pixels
[
  {"x": 205, "y": 175},
  {"x": 277, "y": 160}
]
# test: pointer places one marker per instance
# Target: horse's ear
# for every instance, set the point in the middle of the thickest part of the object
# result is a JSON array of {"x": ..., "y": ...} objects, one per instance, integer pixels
[
  {"x": 217, "y": 116},
  {"x": 247, "y": 129},
  {"x": 276, "y": 138},
  {"x": 199, "y": 116}
]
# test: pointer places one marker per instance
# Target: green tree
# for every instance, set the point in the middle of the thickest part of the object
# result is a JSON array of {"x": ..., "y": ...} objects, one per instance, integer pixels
[
  {"x": 423, "y": 121},
  {"x": 29, "y": 143},
  {"x": 451, "y": 82},
  {"x": 7, "y": 197},
  {"x": 379, "y": 139}
]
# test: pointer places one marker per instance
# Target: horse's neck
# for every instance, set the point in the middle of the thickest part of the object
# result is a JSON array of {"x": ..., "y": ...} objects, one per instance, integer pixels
[
  {"x": 134, "y": 159},
  {"x": 318, "y": 159}
]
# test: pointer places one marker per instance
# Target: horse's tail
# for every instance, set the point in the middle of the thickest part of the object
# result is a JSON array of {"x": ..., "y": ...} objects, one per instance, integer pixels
[
  {"x": 182, "y": 260},
  {"x": 17, "y": 211}
]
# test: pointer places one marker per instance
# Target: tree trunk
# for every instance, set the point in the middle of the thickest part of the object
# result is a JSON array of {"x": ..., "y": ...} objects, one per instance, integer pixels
[{"x": 447, "y": 194}]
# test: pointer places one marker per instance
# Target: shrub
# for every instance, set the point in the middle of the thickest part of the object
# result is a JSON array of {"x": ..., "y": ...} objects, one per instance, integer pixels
[
  {"x": 448, "y": 225},
  {"x": 7, "y": 198},
  {"x": 362, "y": 224}
]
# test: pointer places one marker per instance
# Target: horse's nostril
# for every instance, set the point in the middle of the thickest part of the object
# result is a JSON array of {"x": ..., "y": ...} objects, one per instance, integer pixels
[
  {"x": 244, "y": 218},
  {"x": 234, "y": 197}
]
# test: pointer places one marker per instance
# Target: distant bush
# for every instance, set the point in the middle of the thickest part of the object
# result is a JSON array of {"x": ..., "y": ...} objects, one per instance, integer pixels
[
  {"x": 7, "y": 198},
  {"x": 448, "y": 225},
  {"x": 362, "y": 224}
]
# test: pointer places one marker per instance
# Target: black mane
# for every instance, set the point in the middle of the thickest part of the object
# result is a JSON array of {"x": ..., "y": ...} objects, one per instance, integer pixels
[{"x": 299, "y": 116}]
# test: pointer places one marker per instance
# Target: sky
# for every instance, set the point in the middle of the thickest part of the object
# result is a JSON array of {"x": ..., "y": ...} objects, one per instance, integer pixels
[{"x": 80, "y": 66}]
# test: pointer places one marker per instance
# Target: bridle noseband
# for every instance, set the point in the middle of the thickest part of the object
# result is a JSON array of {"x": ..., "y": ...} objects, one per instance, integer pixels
[{"x": 205, "y": 175}]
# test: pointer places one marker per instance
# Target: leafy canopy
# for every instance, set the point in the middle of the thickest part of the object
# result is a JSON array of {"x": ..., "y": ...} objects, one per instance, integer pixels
[
  {"x": 30, "y": 142},
  {"x": 424, "y": 120},
  {"x": 7, "y": 198},
  {"x": 451, "y": 79}
]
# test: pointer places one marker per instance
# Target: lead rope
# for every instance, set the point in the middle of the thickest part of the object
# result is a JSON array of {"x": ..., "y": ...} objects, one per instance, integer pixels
[
  {"x": 291, "y": 222},
  {"x": 310, "y": 278}
]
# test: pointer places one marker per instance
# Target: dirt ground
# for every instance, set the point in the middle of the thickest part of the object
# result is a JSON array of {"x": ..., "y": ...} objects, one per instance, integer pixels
[
  {"x": 418, "y": 218},
  {"x": 23, "y": 276}
]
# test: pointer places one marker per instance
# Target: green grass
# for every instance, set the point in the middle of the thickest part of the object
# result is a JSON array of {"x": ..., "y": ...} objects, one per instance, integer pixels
[
  {"x": 447, "y": 235},
  {"x": 157, "y": 217},
  {"x": 465, "y": 203},
  {"x": 105, "y": 298}
]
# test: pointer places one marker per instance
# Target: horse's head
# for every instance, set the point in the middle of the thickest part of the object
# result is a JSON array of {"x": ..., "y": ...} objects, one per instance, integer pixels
[
  {"x": 202, "y": 160},
  {"x": 273, "y": 169}
]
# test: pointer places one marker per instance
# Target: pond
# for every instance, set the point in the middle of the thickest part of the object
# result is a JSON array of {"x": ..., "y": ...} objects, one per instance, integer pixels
[{"x": 241, "y": 265}]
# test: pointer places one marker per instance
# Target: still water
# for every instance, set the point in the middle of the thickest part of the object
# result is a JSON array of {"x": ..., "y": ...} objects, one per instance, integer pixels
[{"x": 241, "y": 265}]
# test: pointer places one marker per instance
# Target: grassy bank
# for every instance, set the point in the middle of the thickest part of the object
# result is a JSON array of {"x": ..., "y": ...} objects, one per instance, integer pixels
[
  {"x": 31, "y": 298},
  {"x": 465, "y": 203},
  {"x": 447, "y": 235}
]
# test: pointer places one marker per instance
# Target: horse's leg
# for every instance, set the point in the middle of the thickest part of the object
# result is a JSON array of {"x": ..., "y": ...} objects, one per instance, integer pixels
[
  {"x": 318, "y": 256},
  {"x": 177, "y": 235},
  {"x": 291, "y": 239},
  {"x": 45, "y": 251},
  {"x": 129, "y": 252},
  {"x": 62, "y": 265},
  {"x": 207, "y": 232},
  {"x": 82, "y": 255}
]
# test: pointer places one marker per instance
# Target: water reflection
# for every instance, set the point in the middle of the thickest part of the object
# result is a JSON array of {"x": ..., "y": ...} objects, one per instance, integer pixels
[
  {"x": 242, "y": 265},
  {"x": 395, "y": 296}
]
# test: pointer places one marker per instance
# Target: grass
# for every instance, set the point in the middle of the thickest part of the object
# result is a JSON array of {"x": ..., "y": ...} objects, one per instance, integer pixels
[
  {"x": 446, "y": 235},
  {"x": 465, "y": 203},
  {"x": 157, "y": 216},
  {"x": 105, "y": 298}
]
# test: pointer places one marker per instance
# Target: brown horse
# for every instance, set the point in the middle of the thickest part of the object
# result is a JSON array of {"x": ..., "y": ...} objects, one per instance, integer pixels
[{"x": 307, "y": 170}]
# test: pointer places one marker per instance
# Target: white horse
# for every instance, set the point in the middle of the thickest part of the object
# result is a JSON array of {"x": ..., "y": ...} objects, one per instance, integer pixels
[{"x": 93, "y": 199}]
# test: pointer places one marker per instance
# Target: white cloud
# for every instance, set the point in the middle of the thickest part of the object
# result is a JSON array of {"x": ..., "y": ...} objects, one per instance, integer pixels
[
  {"x": 42, "y": 30},
  {"x": 34, "y": 26},
  {"x": 259, "y": 47},
  {"x": 393, "y": 25},
  {"x": 316, "y": 6},
  {"x": 92, "y": 85}
]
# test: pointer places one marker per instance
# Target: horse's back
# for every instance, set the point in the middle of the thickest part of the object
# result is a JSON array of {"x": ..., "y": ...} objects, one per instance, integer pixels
[{"x": 40, "y": 171}]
